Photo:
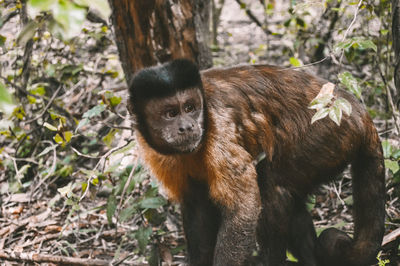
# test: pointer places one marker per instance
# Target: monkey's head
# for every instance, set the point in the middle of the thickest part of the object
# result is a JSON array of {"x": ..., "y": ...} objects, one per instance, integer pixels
[{"x": 168, "y": 105}]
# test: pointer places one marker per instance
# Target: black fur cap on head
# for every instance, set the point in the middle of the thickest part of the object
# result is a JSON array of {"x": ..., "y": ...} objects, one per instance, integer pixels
[{"x": 165, "y": 80}]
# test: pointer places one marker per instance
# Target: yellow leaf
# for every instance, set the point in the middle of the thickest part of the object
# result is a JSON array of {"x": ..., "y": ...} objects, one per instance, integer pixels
[
  {"x": 58, "y": 139},
  {"x": 68, "y": 135}
]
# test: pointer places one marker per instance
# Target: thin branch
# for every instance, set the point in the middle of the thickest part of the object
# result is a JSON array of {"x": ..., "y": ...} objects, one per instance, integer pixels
[
  {"x": 42, "y": 258},
  {"x": 127, "y": 184},
  {"x": 253, "y": 17},
  {"x": 350, "y": 26},
  {"x": 7, "y": 17}
]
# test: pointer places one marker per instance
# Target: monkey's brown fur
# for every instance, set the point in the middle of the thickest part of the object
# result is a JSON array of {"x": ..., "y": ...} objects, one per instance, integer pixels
[{"x": 256, "y": 109}]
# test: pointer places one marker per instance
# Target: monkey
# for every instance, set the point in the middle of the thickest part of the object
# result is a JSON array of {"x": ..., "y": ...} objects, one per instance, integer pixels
[{"x": 236, "y": 149}]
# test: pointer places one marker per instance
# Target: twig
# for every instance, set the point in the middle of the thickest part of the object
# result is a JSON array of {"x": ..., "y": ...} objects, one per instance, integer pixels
[
  {"x": 350, "y": 26},
  {"x": 331, "y": 54},
  {"x": 40, "y": 239},
  {"x": 85, "y": 155},
  {"x": 7, "y": 17},
  {"x": 53, "y": 167},
  {"x": 253, "y": 17},
  {"x": 127, "y": 184},
  {"x": 41, "y": 258}
]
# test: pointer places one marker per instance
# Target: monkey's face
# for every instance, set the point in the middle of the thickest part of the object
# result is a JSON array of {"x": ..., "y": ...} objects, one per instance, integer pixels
[{"x": 175, "y": 124}]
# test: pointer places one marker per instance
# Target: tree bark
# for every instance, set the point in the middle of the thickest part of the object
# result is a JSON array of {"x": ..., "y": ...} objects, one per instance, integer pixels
[{"x": 151, "y": 31}]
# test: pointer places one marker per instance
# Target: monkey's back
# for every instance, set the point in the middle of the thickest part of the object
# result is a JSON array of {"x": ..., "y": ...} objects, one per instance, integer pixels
[{"x": 274, "y": 101}]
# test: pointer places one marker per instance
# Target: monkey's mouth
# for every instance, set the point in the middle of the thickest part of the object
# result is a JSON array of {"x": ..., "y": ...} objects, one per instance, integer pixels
[{"x": 187, "y": 143}]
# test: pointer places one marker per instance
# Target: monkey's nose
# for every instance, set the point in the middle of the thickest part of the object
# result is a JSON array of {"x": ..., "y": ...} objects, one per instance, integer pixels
[{"x": 185, "y": 128}]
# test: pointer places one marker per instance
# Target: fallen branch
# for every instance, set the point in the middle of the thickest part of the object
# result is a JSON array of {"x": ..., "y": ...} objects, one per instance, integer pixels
[
  {"x": 40, "y": 258},
  {"x": 392, "y": 236}
]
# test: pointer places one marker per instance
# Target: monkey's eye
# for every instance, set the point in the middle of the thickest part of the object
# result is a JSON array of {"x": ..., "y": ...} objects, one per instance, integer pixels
[
  {"x": 189, "y": 108},
  {"x": 171, "y": 113}
]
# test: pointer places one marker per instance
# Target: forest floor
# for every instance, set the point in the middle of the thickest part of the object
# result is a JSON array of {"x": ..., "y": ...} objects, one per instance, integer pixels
[{"x": 33, "y": 225}]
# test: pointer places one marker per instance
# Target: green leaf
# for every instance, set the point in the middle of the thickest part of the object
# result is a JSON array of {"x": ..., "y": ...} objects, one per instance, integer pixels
[
  {"x": 295, "y": 62},
  {"x": 114, "y": 101},
  {"x": 84, "y": 186},
  {"x": 321, "y": 113},
  {"x": 349, "y": 200},
  {"x": 300, "y": 22},
  {"x": 108, "y": 139},
  {"x": 350, "y": 82},
  {"x": 290, "y": 257},
  {"x": 366, "y": 44},
  {"x": 39, "y": 90},
  {"x": 392, "y": 165},
  {"x": 67, "y": 190},
  {"x": 344, "y": 105},
  {"x": 387, "y": 149},
  {"x": 335, "y": 114},
  {"x": 142, "y": 236},
  {"x": 2, "y": 39},
  {"x": 6, "y": 102},
  {"x": 343, "y": 45},
  {"x": 396, "y": 154},
  {"x": 320, "y": 102},
  {"x": 310, "y": 203},
  {"x": 128, "y": 212},
  {"x": 31, "y": 99},
  {"x": 111, "y": 207},
  {"x": 95, "y": 111},
  {"x": 384, "y": 31},
  {"x": 82, "y": 123},
  {"x": 95, "y": 181},
  {"x": 152, "y": 203},
  {"x": 43, "y": 5}
]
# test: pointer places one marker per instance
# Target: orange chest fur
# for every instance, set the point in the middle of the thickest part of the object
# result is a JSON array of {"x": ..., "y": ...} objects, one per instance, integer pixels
[{"x": 173, "y": 171}]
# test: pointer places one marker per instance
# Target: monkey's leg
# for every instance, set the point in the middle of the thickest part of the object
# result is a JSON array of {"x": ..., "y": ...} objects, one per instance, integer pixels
[
  {"x": 201, "y": 220},
  {"x": 273, "y": 224},
  {"x": 302, "y": 236},
  {"x": 336, "y": 247},
  {"x": 271, "y": 239}
]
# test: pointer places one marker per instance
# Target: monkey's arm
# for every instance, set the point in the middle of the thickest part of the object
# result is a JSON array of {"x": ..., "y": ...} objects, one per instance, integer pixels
[
  {"x": 239, "y": 200},
  {"x": 201, "y": 219}
]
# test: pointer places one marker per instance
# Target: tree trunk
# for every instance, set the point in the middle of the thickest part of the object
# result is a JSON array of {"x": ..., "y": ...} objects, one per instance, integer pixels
[
  {"x": 152, "y": 31},
  {"x": 396, "y": 44}
]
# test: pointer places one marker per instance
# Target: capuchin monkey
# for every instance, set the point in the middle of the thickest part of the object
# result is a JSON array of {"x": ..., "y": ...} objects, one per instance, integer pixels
[{"x": 236, "y": 148}]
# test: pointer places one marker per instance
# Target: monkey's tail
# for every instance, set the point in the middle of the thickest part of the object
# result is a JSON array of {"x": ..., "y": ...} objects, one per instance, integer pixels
[{"x": 334, "y": 247}]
